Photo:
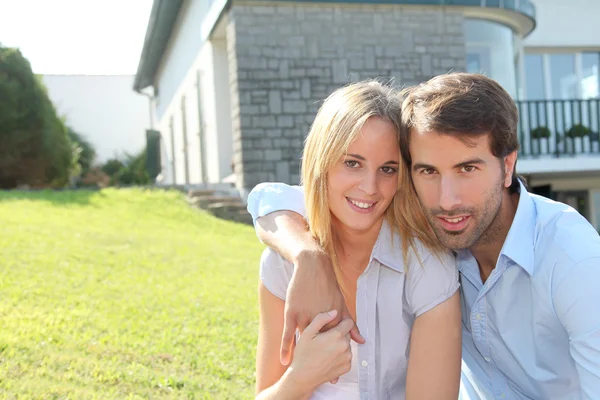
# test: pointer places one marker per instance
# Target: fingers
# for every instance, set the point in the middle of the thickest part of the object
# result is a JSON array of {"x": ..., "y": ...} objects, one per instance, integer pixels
[
  {"x": 319, "y": 322},
  {"x": 354, "y": 332},
  {"x": 289, "y": 331},
  {"x": 356, "y": 336},
  {"x": 343, "y": 327}
]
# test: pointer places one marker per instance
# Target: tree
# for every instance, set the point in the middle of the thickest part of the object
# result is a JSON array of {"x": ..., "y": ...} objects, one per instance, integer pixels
[{"x": 35, "y": 148}]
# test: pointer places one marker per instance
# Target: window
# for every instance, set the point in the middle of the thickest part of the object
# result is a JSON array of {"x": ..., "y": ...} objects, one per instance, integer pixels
[
  {"x": 562, "y": 76},
  {"x": 563, "y": 81},
  {"x": 490, "y": 51},
  {"x": 590, "y": 75},
  {"x": 473, "y": 63},
  {"x": 534, "y": 77}
]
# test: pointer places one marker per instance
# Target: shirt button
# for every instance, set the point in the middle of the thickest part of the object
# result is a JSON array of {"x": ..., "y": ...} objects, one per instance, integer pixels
[
  {"x": 364, "y": 363},
  {"x": 487, "y": 359},
  {"x": 503, "y": 395},
  {"x": 478, "y": 317}
]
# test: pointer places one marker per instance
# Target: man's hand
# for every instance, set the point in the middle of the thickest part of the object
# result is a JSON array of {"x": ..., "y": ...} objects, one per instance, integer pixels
[{"x": 312, "y": 290}]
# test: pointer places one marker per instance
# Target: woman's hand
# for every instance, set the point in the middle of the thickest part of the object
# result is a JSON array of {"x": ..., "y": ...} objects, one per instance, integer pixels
[{"x": 322, "y": 357}]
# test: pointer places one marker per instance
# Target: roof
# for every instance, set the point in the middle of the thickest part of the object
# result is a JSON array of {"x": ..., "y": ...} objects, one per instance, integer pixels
[{"x": 162, "y": 20}]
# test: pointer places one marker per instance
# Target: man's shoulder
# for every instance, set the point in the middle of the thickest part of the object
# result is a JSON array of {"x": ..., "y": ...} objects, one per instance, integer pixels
[{"x": 563, "y": 237}]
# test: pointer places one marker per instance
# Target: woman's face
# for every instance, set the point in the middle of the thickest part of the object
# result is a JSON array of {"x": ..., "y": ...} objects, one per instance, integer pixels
[{"x": 362, "y": 184}]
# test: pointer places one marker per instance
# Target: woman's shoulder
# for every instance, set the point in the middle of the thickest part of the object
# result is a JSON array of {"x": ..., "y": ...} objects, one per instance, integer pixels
[{"x": 275, "y": 272}]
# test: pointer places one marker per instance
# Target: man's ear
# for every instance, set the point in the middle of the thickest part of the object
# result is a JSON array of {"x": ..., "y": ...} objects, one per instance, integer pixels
[{"x": 509, "y": 167}]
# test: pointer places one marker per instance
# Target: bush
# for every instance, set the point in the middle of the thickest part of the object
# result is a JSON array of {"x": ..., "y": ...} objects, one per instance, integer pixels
[
  {"x": 84, "y": 150},
  {"x": 540, "y": 132},
  {"x": 131, "y": 170},
  {"x": 578, "y": 130},
  {"x": 35, "y": 149}
]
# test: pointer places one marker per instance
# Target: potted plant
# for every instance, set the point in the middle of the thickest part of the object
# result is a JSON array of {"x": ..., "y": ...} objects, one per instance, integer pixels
[
  {"x": 540, "y": 137},
  {"x": 578, "y": 133}
]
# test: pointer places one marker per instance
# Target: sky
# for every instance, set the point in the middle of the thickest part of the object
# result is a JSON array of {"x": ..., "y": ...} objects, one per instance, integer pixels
[{"x": 76, "y": 37}]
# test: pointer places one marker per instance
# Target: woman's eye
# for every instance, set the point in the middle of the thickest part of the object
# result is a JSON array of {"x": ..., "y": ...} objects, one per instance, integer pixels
[
  {"x": 351, "y": 163},
  {"x": 388, "y": 170}
]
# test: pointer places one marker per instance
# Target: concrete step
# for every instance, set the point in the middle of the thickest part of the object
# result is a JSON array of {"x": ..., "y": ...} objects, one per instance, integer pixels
[
  {"x": 200, "y": 192},
  {"x": 222, "y": 206},
  {"x": 227, "y": 206},
  {"x": 205, "y": 201}
]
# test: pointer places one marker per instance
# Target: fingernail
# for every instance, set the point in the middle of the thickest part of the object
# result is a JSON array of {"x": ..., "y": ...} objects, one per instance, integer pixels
[{"x": 332, "y": 313}]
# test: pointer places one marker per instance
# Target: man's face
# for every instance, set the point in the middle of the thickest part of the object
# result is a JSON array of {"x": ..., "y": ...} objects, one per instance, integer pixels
[{"x": 460, "y": 186}]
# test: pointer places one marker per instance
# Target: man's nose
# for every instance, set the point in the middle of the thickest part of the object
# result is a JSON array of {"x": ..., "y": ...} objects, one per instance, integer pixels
[{"x": 449, "y": 197}]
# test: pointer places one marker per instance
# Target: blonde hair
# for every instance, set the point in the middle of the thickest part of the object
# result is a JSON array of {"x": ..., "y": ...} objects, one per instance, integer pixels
[{"x": 337, "y": 124}]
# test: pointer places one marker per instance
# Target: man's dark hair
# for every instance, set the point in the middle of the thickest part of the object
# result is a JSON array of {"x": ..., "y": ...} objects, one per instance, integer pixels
[{"x": 465, "y": 105}]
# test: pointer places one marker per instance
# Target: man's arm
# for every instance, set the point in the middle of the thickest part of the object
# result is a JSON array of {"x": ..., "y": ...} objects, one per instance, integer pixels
[
  {"x": 576, "y": 301},
  {"x": 313, "y": 288}
]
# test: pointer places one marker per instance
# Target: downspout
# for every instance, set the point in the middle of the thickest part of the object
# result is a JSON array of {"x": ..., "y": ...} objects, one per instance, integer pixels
[{"x": 203, "y": 168}]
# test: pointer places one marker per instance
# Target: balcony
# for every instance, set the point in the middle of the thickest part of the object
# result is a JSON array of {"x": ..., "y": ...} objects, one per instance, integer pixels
[{"x": 559, "y": 136}]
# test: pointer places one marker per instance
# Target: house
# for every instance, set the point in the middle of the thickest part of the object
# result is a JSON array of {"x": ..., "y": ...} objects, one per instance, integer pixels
[
  {"x": 103, "y": 109},
  {"x": 236, "y": 84}
]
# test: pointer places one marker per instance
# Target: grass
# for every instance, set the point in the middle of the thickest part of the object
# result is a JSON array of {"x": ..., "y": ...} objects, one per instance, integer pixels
[{"x": 124, "y": 294}]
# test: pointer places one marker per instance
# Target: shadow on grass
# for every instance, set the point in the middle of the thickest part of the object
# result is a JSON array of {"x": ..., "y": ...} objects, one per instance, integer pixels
[{"x": 58, "y": 197}]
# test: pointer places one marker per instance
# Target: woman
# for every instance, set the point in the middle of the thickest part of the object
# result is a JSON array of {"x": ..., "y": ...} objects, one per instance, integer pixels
[{"x": 400, "y": 286}]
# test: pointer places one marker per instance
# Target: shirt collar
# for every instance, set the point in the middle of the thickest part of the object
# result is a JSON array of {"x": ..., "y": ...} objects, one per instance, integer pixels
[
  {"x": 519, "y": 243},
  {"x": 520, "y": 240},
  {"x": 388, "y": 249}
]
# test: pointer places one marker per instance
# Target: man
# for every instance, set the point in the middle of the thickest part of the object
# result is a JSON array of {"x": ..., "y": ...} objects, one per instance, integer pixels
[{"x": 529, "y": 267}]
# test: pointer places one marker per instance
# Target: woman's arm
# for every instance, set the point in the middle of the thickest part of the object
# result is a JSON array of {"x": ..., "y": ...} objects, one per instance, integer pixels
[
  {"x": 318, "y": 357},
  {"x": 270, "y": 380},
  {"x": 435, "y": 353}
]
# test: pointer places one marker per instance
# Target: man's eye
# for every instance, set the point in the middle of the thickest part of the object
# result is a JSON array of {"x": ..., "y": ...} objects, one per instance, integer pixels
[
  {"x": 428, "y": 171},
  {"x": 468, "y": 168},
  {"x": 351, "y": 163}
]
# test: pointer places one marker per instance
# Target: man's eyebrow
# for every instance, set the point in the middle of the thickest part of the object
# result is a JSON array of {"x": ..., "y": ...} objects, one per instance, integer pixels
[
  {"x": 422, "y": 166},
  {"x": 474, "y": 161}
]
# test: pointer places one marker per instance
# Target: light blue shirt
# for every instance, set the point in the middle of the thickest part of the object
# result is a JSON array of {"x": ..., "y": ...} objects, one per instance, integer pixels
[{"x": 532, "y": 331}]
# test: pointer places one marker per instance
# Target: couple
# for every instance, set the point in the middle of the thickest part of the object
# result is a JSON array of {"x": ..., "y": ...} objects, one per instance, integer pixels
[{"x": 529, "y": 268}]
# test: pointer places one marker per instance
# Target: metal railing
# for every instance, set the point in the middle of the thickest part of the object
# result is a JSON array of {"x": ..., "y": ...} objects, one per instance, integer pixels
[{"x": 559, "y": 128}]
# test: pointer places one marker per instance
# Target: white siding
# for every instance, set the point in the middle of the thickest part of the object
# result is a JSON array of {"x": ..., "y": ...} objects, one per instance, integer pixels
[{"x": 185, "y": 59}]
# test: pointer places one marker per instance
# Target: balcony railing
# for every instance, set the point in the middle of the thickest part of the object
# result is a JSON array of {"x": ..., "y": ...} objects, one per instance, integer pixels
[{"x": 559, "y": 128}]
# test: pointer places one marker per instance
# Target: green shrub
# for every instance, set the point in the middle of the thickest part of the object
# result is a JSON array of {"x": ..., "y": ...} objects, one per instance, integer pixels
[
  {"x": 34, "y": 146},
  {"x": 84, "y": 150},
  {"x": 578, "y": 130},
  {"x": 131, "y": 170},
  {"x": 540, "y": 132}
]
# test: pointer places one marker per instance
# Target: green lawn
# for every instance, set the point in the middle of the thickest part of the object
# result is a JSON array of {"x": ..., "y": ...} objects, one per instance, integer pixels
[{"x": 124, "y": 294}]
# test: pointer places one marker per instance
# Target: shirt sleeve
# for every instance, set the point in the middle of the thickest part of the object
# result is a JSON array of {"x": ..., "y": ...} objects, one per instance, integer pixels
[
  {"x": 269, "y": 197},
  {"x": 431, "y": 282},
  {"x": 275, "y": 273},
  {"x": 576, "y": 301}
]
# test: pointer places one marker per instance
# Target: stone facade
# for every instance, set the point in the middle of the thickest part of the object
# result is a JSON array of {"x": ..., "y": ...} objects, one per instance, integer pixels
[{"x": 284, "y": 59}]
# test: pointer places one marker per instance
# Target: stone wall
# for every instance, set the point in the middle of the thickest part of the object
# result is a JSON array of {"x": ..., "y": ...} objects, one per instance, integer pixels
[{"x": 284, "y": 59}]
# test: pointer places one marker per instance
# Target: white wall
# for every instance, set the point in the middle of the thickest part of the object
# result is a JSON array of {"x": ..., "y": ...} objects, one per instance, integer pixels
[
  {"x": 104, "y": 109},
  {"x": 177, "y": 78},
  {"x": 183, "y": 48},
  {"x": 566, "y": 23}
]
